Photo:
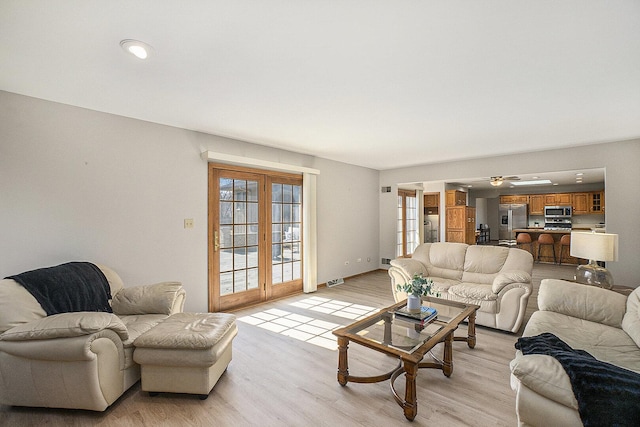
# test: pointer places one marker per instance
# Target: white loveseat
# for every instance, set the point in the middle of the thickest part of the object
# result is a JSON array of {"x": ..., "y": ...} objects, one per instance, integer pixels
[
  {"x": 603, "y": 323},
  {"x": 80, "y": 360},
  {"x": 498, "y": 279}
]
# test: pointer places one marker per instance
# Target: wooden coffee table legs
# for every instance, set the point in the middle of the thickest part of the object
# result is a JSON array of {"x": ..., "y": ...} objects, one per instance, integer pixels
[
  {"x": 407, "y": 367},
  {"x": 471, "y": 331},
  {"x": 343, "y": 364}
]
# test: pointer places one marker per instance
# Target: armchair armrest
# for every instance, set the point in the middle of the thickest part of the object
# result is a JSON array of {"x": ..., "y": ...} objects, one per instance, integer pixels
[
  {"x": 582, "y": 301},
  {"x": 78, "y": 348},
  {"x": 409, "y": 266},
  {"x": 66, "y": 325},
  {"x": 160, "y": 298},
  {"x": 507, "y": 277}
]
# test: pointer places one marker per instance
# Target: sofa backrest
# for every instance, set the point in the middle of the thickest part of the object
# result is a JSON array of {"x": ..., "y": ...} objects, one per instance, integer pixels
[
  {"x": 483, "y": 263},
  {"x": 443, "y": 259},
  {"x": 18, "y": 306}
]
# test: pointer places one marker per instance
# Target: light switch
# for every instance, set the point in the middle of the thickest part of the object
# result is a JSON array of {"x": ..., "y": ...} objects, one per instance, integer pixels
[{"x": 188, "y": 223}]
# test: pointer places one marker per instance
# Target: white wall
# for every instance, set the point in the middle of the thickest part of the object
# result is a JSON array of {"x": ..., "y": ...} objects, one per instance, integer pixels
[
  {"x": 622, "y": 175},
  {"x": 76, "y": 184}
]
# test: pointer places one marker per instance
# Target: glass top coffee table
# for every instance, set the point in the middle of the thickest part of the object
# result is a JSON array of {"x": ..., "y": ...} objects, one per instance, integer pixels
[{"x": 409, "y": 341}]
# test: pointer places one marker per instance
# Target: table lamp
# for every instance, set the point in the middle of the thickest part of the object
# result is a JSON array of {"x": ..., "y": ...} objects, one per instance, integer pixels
[{"x": 594, "y": 247}]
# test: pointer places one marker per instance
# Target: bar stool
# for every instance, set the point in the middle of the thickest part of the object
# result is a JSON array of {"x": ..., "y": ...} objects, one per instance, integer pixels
[
  {"x": 524, "y": 239},
  {"x": 565, "y": 241},
  {"x": 546, "y": 239}
]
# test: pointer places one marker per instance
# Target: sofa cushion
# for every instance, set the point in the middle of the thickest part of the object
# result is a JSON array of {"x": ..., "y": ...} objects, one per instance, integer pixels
[
  {"x": 148, "y": 299},
  {"x": 606, "y": 343},
  {"x": 17, "y": 305},
  {"x": 473, "y": 291},
  {"x": 631, "y": 319},
  {"x": 442, "y": 286},
  {"x": 444, "y": 260},
  {"x": 65, "y": 325},
  {"x": 139, "y": 324}
]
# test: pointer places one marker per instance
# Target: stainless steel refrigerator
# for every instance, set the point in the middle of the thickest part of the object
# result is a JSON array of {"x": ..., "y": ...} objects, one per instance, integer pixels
[{"x": 511, "y": 217}]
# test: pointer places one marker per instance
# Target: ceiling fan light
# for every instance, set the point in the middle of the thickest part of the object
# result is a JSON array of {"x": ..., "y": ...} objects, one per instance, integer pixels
[{"x": 496, "y": 181}]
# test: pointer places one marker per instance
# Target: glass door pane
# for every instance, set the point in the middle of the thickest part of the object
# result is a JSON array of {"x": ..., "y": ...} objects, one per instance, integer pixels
[{"x": 236, "y": 205}]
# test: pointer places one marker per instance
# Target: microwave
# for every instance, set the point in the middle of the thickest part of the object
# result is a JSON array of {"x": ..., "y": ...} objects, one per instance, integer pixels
[{"x": 557, "y": 211}]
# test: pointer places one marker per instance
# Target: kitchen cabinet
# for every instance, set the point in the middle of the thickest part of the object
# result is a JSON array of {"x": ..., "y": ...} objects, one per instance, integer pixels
[
  {"x": 557, "y": 199},
  {"x": 596, "y": 202},
  {"x": 461, "y": 224},
  {"x": 455, "y": 198},
  {"x": 536, "y": 204},
  {"x": 581, "y": 203},
  {"x": 431, "y": 203},
  {"x": 514, "y": 198},
  {"x": 563, "y": 199}
]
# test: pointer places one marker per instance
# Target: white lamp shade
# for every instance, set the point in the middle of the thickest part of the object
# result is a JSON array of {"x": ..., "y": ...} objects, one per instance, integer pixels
[{"x": 594, "y": 246}]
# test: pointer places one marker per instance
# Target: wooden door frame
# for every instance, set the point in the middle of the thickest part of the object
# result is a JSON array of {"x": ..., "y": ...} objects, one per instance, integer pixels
[{"x": 265, "y": 289}]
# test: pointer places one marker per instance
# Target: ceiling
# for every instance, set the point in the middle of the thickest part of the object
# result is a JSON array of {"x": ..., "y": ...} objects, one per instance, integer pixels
[
  {"x": 381, "y": 84},
  {"x": 583, "y": 177}
]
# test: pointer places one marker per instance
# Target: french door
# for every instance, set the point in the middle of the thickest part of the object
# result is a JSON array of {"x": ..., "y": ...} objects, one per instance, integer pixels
[{"x": 255, "y": 246}]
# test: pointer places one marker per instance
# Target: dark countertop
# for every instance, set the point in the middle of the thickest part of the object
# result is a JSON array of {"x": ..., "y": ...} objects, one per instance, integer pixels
[{"x": 542, "y": 230}]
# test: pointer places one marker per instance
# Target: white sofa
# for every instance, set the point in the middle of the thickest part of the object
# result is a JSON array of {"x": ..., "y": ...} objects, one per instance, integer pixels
[
  {"x": 601, "y": 322},
  {"x": 496, "y": 278},
  {"x": 80, "y": 360}
]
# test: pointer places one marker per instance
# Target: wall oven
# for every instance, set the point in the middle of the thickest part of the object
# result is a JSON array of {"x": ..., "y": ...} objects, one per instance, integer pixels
[{"x": 557, "y": 211}]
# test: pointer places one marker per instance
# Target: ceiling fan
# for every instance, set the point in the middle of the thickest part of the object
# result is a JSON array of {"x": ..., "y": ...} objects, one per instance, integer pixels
[{"x": 497, "y": 180}]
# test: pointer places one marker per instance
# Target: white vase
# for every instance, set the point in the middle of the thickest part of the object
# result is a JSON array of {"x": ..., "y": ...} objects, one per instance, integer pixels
[{"x": 414, "y": 303}]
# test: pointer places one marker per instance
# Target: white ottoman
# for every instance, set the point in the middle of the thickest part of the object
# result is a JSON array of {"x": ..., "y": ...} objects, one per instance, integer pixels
[{"x": 186, "y": 353}]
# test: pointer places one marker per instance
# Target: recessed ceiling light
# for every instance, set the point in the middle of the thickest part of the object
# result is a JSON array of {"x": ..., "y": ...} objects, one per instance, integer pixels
[
  {"x": 535, "y": 177},
  {"x": 555, "y": 183},
  {"x": 579, "y": 174},
  {"x": 137, "y": 48}
]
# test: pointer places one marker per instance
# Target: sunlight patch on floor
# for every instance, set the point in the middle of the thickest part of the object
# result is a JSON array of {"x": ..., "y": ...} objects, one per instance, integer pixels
[{"x": 307, "y": 328}]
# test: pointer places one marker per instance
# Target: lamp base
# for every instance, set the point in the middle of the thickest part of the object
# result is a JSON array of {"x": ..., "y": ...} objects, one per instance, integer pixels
[{"x": 593, "y": 274}]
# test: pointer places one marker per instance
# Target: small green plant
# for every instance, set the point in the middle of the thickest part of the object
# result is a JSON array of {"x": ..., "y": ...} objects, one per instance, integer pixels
[{"x": 420, "y": 286}]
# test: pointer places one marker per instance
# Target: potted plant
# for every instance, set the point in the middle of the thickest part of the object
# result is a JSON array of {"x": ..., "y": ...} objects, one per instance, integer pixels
[{"x": 415, "y": 289}]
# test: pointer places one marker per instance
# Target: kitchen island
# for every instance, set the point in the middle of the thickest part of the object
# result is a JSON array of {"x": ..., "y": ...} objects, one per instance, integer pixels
[{"x": 546, "y": 254}]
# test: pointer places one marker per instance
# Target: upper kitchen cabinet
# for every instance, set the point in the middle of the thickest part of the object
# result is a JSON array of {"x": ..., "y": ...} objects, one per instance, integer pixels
[
  {"x": 581, "y": 203},
  {"x": 455, "y": 198},
  {"x": 596, "y": 202},
  {"x": 431, "y": 203},
  {"x": 557, "y": 199},
  {"x": 514, "y": 198},
  {"x": 536, "y": 204}
]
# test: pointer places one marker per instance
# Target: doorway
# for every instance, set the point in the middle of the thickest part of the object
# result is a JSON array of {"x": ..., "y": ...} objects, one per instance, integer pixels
[{"x": 255, "y": 236}]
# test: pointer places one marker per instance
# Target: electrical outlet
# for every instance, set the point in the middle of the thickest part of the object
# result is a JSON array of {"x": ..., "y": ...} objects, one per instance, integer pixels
[{"x": 188, "y": 223}]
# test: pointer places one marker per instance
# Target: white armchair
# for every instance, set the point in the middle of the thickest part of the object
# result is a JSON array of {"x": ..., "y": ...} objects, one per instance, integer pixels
[{"x": 80, "y": 360}]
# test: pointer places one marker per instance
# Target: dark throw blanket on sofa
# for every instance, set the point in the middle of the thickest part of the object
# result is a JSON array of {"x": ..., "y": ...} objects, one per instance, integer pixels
[
  {"x": 607, "y": 395},
  {"x": 74, "y": 286}
]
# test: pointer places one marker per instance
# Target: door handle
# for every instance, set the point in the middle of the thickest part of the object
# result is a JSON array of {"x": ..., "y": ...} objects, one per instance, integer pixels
[{"x": 216, "y": 241}]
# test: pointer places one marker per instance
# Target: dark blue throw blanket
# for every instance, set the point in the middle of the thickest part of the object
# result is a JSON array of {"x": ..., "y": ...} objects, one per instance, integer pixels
[
  {"x": 607, "y": 395},
  {"x": 74, "y": 286}
]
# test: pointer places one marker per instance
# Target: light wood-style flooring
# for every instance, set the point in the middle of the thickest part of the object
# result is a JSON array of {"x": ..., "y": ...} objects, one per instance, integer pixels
[{"x": 283, "y": 375}]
